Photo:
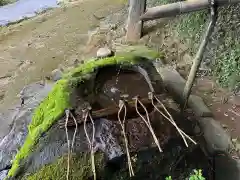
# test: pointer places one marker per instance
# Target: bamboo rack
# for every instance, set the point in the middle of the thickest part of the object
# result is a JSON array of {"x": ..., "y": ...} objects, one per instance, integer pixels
[{"x": 111, "y": 112}]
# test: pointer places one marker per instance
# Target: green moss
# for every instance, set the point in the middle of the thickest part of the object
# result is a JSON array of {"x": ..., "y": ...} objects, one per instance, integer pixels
[
  {"x": 44, "y": 116},
  {"x": 80, "y": 168},
  {"x": 58, "y": 100}
]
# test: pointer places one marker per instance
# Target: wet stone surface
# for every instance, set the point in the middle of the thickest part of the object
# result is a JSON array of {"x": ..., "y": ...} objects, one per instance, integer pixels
[{"x": 21, "y": 117}]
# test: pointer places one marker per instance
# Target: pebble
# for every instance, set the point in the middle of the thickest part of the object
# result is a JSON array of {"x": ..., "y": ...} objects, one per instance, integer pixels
[
  {"x": 225, "y": 114},
  {"x": 56, "y": 74},
  {"x": 104, "y": 52}
]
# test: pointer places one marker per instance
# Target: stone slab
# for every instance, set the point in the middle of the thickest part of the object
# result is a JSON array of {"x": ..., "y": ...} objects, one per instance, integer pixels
[
  {"x": 175, "y": 83},
  {"x": 216, "y": 138}
]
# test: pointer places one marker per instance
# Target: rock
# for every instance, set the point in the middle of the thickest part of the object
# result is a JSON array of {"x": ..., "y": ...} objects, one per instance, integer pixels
[
  {"x": 31, "y": 90},
  {"x": 175, "y": 84},
  {"x": 21, "y": 117},
  {"x": 3, "y": 174},
  {"x": 104, "y": 52},
  {"x": 226, "y": 167},
  {"x": 61, "y": 67},
  {"x": 3, "y": 128},
  {"x": 53, "y": 145},
  {"x": 56, "y": 74},
  {"x": 199, "y": 107},
  {"x": 216, "y": 138},
  {"x": 173, "y": 81}
]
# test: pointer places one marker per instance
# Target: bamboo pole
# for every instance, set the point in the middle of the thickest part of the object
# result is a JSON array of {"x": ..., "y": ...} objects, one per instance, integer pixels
[
  {"x": 111, "y": 112},
  {"x": 134, "y": 24},
  {"x": 177, "y": 8}
]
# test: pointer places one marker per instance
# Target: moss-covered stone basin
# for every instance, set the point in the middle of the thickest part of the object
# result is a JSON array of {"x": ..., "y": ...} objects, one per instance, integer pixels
[{"x": 53, "y": 107}]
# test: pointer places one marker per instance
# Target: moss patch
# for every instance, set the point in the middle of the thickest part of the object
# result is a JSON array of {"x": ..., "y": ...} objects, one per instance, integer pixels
[
  {"x": 80, "y": 168},
  {"x": 44, "y": 116},
  {"x": 58, "y": 100}
]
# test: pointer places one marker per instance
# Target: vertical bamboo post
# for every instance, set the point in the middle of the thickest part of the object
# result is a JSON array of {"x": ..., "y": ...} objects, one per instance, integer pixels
[
  {"x": 198, "y": 58},
  {"x": 134, "y": 24}
]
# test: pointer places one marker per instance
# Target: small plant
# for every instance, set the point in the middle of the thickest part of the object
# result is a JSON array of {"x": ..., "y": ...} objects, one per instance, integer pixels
[
  {"x": 196, "y": 175},
  {"x": 168, "y": 178}
]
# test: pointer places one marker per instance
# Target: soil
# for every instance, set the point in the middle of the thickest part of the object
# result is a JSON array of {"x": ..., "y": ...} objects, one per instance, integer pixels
[
  {"x": 223, "y": 104},
  {"x": 30, "y": 50}
]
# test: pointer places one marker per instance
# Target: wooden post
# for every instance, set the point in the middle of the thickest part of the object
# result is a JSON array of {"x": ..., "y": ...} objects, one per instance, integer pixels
[{"x": 134, "y": 24}]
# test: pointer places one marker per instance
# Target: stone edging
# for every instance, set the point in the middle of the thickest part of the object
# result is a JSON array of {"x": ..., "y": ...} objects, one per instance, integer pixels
[{"x": 217, "y": 140}]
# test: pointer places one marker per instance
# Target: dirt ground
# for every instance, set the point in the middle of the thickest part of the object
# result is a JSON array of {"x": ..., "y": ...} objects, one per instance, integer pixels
[
  {"x": 224, "y": 105},
  {"x": 31, "y": 49}
]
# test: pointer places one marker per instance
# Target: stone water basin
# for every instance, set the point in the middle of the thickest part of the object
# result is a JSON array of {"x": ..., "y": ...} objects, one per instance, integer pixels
[
  {"x": 113, "y": 82},
  {"x": 103, "y": 89}
]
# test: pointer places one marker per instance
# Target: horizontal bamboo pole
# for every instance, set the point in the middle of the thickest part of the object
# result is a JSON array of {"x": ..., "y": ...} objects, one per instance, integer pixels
[
  {"x": 174, "y": 9},
  {"x": 111, "y": 112}
]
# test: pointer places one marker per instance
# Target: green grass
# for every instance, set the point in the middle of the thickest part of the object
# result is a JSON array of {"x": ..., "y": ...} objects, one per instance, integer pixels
[
  {"x": 196, "y": 175},
  {"x": 227, "y": 69},
  {"x": 58, "y": 100},
  {"x": 190, "y": 28},
  {"x": 223, "y": 49}
]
